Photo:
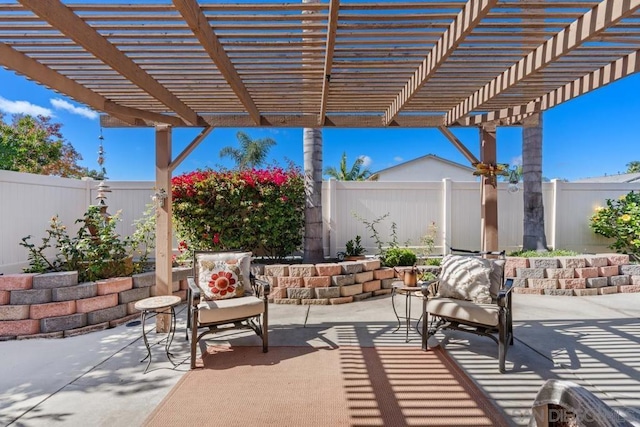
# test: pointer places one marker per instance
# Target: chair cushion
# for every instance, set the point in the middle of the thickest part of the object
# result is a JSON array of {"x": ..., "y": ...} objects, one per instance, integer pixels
[
  {"x": 222, "y": 275},
  {"x": 465, "y": 311},
  {"x": 466, "y": 278},
  {"x": 229, "y": 309}
]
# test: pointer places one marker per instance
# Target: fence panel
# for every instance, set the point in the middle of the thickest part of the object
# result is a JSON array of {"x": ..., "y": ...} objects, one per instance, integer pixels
[{"x": 29, "y": 201}]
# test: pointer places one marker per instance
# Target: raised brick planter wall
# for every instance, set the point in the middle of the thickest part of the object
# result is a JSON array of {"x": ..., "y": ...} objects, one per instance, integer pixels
[
  {"x": 580, "y": 275},
  {"x": 327, "y": 283},
  {"x": 34, "y": 306},
  {"x": 55, "y": 305}
]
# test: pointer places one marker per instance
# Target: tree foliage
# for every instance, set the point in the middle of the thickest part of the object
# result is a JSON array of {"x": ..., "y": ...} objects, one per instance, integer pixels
[
  {"x": 633, "y": 167},
  {"x": 620, "y": 220},
  {"x": 355, "y": 173},
  {"x": 252, "y": 152},
  {"x": 36, "y": 145},
  {"x": 261, "y": 210}
]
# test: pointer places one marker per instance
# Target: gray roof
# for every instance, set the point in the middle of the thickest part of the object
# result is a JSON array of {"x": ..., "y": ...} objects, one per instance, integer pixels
[{"x": 621, "y": 178}]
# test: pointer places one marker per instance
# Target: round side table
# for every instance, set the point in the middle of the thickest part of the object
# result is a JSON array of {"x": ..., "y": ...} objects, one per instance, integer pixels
[
  {"x": 151, "y": 307},
  {"x": 408, "y": 292}
]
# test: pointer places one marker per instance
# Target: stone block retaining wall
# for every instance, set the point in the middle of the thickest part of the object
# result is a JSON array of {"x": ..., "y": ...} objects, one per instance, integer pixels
[
  {"x": 55, "y": 305},
  {"x": 327, "y": 283},
  {"x": 580, "y": 275}
]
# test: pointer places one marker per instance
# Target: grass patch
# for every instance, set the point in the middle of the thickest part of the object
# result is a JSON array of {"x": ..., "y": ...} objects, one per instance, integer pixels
[{"x": 542, "y": 254}]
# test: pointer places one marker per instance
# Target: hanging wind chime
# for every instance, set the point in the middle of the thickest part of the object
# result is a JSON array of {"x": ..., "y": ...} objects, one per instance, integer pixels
[
  {"x": 102, "y": 188},
  {"x": 101, "y": 153}
]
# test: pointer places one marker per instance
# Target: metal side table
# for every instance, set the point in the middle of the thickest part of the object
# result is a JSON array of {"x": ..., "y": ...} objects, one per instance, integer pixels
[
  {"x": 408, "y": 292},
  {"x": 151, "y": 307}
]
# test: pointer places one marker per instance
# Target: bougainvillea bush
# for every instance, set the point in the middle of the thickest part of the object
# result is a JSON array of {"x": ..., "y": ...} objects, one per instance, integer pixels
[
  {"x": 261, "y": 210},
  {"x": 620, "y": 220}
]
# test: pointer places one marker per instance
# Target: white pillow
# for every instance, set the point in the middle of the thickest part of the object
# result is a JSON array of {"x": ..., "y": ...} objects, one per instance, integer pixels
[
  {"x": 211, "y": 260},
  {"x": 466, "y": 277}
]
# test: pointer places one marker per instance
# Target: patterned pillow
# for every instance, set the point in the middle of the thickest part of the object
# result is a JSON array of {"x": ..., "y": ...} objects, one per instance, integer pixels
[
  {"x": 466, "y": 277},
  {"x": 224, "y": 275}
]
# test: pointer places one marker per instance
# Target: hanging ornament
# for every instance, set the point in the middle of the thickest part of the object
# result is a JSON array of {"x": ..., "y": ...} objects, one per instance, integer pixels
[
  {"x": 101, "y": 154},
  {"x": 491, "y": 171}
]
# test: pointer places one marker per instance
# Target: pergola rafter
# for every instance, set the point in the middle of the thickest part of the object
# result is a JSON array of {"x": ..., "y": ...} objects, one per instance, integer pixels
[
  {"x": 68, "y": 23},
  {"x": 332, "y": 27},
  {"x": 34, "y": 70},
  {"x": 583, "y": 29},
  {"x": 415, "y": 63},
  {"x": 610, "y": 73},
  {"x": 199, "y": 24},
  {"x": 462, "y": 25}
]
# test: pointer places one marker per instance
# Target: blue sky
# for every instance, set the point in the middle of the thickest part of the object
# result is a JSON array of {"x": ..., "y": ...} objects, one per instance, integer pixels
[{"x": 593, "y": 135}]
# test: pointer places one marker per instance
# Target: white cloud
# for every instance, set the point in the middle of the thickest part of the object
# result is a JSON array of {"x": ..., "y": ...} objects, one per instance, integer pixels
[
  {"x": 398, "y": 159},
  {"x": 366, "y": 161},
  {"x": 23, "y": 107},
  {"x": 61, "y": 104},
  {"x": 516, "y": 161}
]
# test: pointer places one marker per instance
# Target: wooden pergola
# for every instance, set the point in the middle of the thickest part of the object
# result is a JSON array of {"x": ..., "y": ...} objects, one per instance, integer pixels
[{"x": 325, "y": 63}]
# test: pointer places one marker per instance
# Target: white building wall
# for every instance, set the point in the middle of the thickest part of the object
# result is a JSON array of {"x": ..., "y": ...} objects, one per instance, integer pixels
[{"x": 426, "y": 169}]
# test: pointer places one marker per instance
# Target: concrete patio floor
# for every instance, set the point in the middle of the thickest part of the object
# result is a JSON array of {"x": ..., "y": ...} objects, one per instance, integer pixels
[{"x": 97, "y": 379}]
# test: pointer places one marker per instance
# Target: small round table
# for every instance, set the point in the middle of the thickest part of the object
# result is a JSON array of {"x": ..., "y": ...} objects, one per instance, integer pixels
[
  {"x": 408, "y": 292},
  {"x": 151, "y": 307}
]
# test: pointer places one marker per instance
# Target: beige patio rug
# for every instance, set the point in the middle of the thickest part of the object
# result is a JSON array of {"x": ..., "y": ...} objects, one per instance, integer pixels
[{"x": 345, "y": 386}]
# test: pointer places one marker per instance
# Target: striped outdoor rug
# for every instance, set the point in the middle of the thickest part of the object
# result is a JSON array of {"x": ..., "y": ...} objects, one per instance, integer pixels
[{"x": 345, "y": 386}]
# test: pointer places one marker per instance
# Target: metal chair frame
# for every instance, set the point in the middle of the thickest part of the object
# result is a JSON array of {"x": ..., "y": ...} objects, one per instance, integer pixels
[
  {"x": 258, "y": 323},
  {"x": 502, "y": 334}
]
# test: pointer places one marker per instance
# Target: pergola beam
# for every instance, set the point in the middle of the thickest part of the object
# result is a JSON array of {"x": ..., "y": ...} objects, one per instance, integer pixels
[
  {"x": 189, "y": 148},
  {"x": 459, "y": 145},
  {"x": 610, "y": 73},
  {"x": 34, "y": 70},
  {"x": 197, "y": 21},
  {"x": 470, "y": 15},
  {"x": 332, "y": 28},
  {"x": 68, "y": 23},
  {"x": 589, "y": 25},
  {"x": 302, "y": 121}
]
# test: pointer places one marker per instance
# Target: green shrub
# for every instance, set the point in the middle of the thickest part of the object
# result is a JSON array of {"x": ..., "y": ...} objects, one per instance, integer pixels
[
  {"x": 258, "y": 210},
  {"x": 433, "y": 261},
  {"x": 394, "y": 257},
  {"x": 542, "y": 254},
  {"x": 620, "y": 220},
  {"x": 96, "y": 251}
]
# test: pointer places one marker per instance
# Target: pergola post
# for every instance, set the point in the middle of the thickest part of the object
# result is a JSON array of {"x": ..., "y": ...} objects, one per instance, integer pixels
[
  {"x": 163, "y": 221},
  {"x": 489, "y": 191}
]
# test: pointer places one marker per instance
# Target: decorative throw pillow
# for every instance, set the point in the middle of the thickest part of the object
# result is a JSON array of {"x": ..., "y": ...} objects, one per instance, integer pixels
[
  {"x": 466, "y": 277},
  {"x": 223, "y": 282},
  {"x": 224, "y": 274},
  {"x": 497, "y": 276}
]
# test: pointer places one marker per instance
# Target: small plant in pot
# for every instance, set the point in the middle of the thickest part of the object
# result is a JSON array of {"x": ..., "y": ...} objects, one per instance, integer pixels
[{"x": 353, "y": 250}]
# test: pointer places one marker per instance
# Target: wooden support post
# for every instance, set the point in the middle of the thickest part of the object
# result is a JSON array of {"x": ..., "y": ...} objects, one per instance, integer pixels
[
  {"x": 489, "y": 210},
  {"x": 163, "y": 221}
]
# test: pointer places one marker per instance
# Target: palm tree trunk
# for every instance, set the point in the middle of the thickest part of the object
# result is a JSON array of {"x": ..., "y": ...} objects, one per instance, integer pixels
[
  {"x": 312, "y": 145},
  {"x": 313, "y": 249},
  {"x": 533, "y": 237}
]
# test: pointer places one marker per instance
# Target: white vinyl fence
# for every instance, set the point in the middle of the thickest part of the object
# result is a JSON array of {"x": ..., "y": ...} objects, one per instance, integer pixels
[{"x": 27, "y": 203}]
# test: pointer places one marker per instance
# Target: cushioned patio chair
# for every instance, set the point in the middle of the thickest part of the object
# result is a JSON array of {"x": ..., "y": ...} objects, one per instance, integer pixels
[
  {"x": 223, "y": 295},
  {"x": 471, "y": 295}
]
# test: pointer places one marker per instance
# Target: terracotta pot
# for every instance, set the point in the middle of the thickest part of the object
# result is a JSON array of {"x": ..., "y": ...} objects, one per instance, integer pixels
[{"x": 409, "y": 277}]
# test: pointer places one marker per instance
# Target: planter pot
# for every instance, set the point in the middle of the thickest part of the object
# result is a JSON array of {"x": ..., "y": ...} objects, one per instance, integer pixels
[{"x": 354, "y": 258}]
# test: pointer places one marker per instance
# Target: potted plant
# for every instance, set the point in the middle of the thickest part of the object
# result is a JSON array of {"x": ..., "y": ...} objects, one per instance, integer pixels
[{"x": 353, "y": 250}]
